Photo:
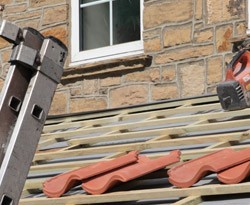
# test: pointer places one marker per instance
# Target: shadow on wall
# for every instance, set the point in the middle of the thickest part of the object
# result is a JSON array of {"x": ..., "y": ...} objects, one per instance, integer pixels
[{"x": 120, "y": 68}]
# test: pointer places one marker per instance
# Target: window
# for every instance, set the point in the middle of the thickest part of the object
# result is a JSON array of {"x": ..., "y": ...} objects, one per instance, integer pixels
[{"x": 105, "y": 29}]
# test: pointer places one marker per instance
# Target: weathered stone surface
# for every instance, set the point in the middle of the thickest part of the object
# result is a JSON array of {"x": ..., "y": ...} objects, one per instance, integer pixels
[
  {"x": 223, "y": 35},
  {"x": 192, "y": 79},
  {"x": 24, "y": 16},
  {"x": 90, "y": 86},
  {"x": 224, "y": 10},
  {"x": 203, "y": 36},
  {"x": 184, "y": 53},
  {"x": 177, "y": 35},
  {"x": 214, "y": 70},
  {"x": 3, "y": 43},
  {"x": 4, "y": 70},
  {"x": 1, "y": 84},
  {"x": 152, "y": 45},
  {"x": 39, "y": 3},
  {"x": 152, "y": 33},
  {"x": 55, "y": 14},
  {"x": 167, "y": 12},
  {"x": 164, "y": 91},
  {"x": 6, "y": 2},
  {"x": 87, "y": 104},
  {"x": 212, "y": 89},
  {"x": 5, "y": 54},
  {"x": 76, "y": 91},
  {"x": 241, "y": 28},
  {"x": 60, "y": 32},
  {"x": 110, "y": 81},
  {"x": 198, "y": 9},
  {"x": 129, "y": 95},
  {"x": 149, "y": 75},
  {"x": 20, "y": 1},
  {"x": 59, "y": 103},
  {"x": 33, "y": 23},
  {"x": 168, "y": 73},
  {"x": 15, "y": 8}
]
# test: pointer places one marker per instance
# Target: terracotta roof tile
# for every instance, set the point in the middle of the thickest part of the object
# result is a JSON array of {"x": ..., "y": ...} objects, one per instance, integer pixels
[
  {"x": 100, "y": 184},
  {"x": 188, "y": 173},
  {"x": 58, "y": 185},
  {"x": 235, "y": 174}
]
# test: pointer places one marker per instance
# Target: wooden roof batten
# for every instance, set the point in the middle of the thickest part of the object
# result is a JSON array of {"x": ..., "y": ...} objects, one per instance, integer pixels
[{"x": 196, "y": 126}]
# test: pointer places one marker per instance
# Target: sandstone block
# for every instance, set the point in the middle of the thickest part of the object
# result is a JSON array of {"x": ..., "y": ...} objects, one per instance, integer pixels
[
  {"x": 149, "y": 75},
  {"x": 59, "y": 103},
  {"x": 223, "y": 35},
  {"x": 110, "y": 81},
  {"x": 87, "y": 104},
  {"x": 184, "y": 53},
  {"x": 33, "y": 23},
  {"x": 60, "y": 32},
  {"x": 6, "y": 2},
  {"x": 224, "y": 10},
  {"x": 168, "y": 73},
  {"x": 76, "y": 91},
  {"x": 12, "y": 9},
  {"x": 203, "y": 36},
  {"x": 164, "y": 91},
  {"x": 39, "y": 3},
  {"x": 55, "y": 14},
  {"x": 198, "y": 9},
  {"x": 128, "y": 95},
  {"x": 241, "y": 28},
  {"x": 212, "y": 89},
  {"x": 214, "y": 70},
  {"x": 5, "y": 54},
  {"x": 152, "y": 45},
  {"x": 167, "y": 12},
  {"x": 24, "y": 16},
  {"x": 90, "y": 86},
  {"x": 3, "y": 43},
  {"x": 192, "y": 79},
  {"x": 152, "y": 33},
  {"x": 177, "y": 35}
]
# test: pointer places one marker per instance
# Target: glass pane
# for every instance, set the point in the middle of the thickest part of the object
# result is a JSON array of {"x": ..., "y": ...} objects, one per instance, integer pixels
[
  {"x": 126, "y": 21},
  {"x": 94, "y": 26}
]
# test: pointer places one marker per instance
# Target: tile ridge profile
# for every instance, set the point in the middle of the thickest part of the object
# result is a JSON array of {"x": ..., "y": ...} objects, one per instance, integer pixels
[
  {"x": 60, "y": 184},
  {"x": 188, "y": 173},
  {"x": 101, "y": 183},
  {"x": 235, "y": 174}
]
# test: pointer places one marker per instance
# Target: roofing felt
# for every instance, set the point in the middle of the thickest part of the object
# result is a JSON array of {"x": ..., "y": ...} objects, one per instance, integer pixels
[{"x": 196, "y": 126}]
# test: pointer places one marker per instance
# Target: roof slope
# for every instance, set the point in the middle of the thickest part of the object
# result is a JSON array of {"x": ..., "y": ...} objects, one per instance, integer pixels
[{"x": 196, "y": 126}]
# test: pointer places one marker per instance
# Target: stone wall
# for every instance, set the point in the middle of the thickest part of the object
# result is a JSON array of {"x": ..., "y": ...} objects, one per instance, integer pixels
[{"x": 186, "y": 44}]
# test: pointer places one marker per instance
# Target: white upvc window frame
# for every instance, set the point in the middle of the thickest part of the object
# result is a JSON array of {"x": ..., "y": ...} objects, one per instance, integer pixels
[{"x": 110, "y": 52}]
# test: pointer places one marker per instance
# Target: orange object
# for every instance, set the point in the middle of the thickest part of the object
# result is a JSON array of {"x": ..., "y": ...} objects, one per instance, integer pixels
[
  {"x": 188, "y": 173},
  {"x": 100, "y": 184},
  {"x": 58, "y": 185},
  {"x": 234, "y": 92},
  {"x": 235, "y": 174}
]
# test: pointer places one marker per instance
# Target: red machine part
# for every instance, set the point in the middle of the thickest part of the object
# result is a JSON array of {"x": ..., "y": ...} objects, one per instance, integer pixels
[{"x": 240, "y": 71}]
